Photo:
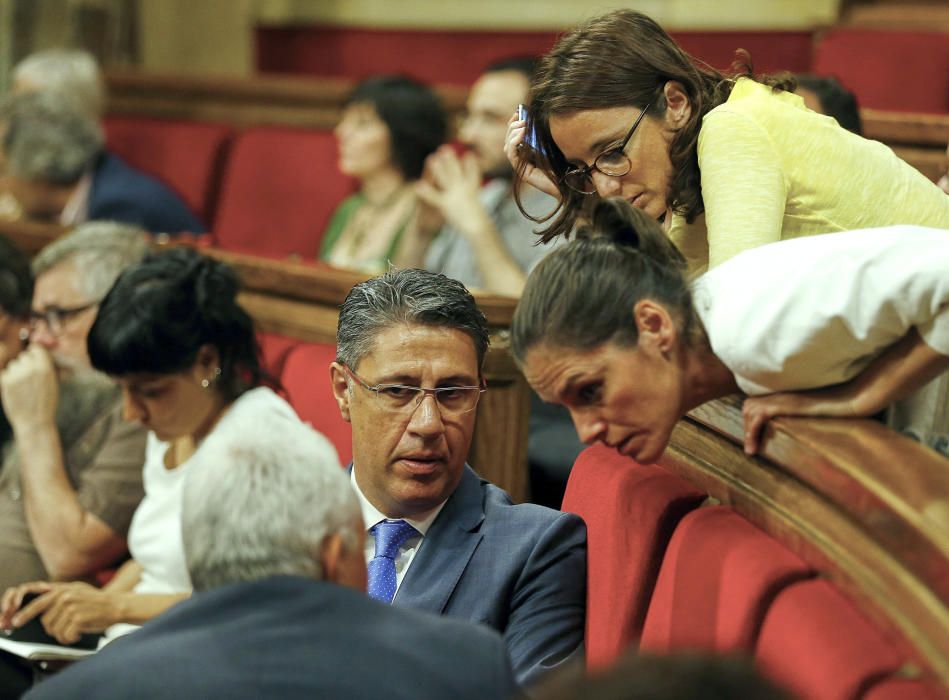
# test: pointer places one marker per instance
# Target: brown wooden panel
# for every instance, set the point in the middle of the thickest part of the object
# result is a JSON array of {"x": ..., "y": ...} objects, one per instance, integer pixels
[{"x": 267, "y": 100}]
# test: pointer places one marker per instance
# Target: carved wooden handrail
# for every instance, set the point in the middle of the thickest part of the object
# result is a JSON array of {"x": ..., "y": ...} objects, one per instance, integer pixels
[{"x": 868, "y": 508}]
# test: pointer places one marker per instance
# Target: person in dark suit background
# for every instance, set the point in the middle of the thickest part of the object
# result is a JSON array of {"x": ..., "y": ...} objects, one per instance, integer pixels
[
  {"x": 273, "y": 542},
  {"x": 56, "y": 167},
  {"x": 410, "y": 349}
]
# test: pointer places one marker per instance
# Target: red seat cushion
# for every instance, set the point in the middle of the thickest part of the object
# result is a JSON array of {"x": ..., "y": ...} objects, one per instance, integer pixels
[
  {"x": 902, "y": 71},
  {"x": 818, "y": 645},
  {"x": 274, "y": 349},
  {"x": 718, "y": 577},
  {"x": 306, "y": 377},
  {"x": 279, "y": 191},
  {"x": 185, "y": 155},
  {"x": 631, "y": 511},
  {"x": 903, "y": 689}
]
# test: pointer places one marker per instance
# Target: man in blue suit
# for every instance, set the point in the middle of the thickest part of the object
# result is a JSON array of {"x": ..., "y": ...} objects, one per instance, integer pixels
[
  {"x": 273, "y": 540},
  {"x": 56, "y": 167},
  {"x": 410, "y": 348}
]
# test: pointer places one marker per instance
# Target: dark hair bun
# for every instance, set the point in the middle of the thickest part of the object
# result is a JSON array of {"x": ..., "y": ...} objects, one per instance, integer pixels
[
  {"x": 632, "y": 228},
  {"x": 161, "y": 312}
]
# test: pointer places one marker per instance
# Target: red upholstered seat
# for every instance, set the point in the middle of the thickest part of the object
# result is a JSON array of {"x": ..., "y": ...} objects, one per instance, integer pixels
[
  {"x": 818, "y": 645},
  {"x": 903, "y": 689},
  {"x": 719, "y": 575},
  {"x": 274, "y": 349},
  {"x": 306, "y": 377},
  {"x": 185, "y": 155},
  {"x": 902, "y": 71},
  {"x": 279, "y": 191},
  {"x": 631, "y": 511}
]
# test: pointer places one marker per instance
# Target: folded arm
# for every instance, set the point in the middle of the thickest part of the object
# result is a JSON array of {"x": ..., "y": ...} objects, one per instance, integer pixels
[{"x": 897, "y": 373}]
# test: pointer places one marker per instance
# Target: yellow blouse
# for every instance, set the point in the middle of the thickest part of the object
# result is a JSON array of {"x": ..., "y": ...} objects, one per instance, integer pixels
[{"x": 772, "y": 170}]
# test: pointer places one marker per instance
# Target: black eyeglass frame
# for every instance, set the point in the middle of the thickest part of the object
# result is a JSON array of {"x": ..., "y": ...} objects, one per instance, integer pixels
[
  {"x": 419, "y": 392},
  {"x": 585, "y": 173},
  {"x": 55, "y": 317}
]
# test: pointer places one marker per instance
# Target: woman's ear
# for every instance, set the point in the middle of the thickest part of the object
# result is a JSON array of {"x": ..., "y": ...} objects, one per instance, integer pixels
[
  {"x": 678, "y": 106},
  {"x": 208, "y": 359},
  {"x": 655, "y": 325}
]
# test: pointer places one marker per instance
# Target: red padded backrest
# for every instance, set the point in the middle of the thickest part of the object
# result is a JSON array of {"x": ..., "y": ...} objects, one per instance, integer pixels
[
  {"x": 631, "y": 511},
  {"x": 306, "y": 377},
  {"x": 719, "y": 575},
  {"x": 904, "y": 689},
  {"x": 818, "y": 645},
  {"x": 279, "y": 191},
  {"x": 185, "y": 155},
  {"x": 902, "y": 71},
  {"x": 274, "y": 349}
]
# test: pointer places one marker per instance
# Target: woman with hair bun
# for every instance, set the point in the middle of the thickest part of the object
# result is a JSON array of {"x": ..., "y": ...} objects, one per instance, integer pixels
[
  {"x": 739, "y": 161},
  {"x": 172, "y": 335},
  {"x": 839, "y": 325}
]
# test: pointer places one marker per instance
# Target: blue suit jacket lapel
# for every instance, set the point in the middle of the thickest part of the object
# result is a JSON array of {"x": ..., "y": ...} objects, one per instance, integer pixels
[{"x": 446, "y": 550}]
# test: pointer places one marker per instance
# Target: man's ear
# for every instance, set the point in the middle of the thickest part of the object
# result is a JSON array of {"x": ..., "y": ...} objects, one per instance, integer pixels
[
  {"x": 341, "y": 391},
  {"x": 656, "y": 326},
  {"x": 678, "y": 107},
  {"x": 341, "y": 565}
]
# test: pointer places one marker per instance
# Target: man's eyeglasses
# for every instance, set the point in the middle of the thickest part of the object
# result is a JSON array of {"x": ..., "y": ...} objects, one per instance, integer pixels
[
  {"x": 399, "y": 398},
  {"x": 614, "y": 163},
  {"x": 56, "y": 318}
]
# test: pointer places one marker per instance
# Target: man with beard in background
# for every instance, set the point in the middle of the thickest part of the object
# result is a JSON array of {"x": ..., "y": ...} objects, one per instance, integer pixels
[{"x": 72, "y": 472}]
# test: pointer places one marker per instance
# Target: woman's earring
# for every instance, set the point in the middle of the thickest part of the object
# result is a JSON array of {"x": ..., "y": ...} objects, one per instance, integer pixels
[
  {"x": 206, "y": 383},
  {"x": 24, "y": 335}
]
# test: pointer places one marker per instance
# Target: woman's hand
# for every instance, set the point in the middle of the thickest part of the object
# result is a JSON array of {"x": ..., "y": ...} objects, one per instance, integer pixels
[
  {"x": 67, "y": 610},
  {"x": 834, "y": 402},
  {"x": 516, "y": 130}
]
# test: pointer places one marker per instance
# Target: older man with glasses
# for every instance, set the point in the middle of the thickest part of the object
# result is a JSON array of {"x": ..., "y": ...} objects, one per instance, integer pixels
[
  {"x": 410, "y": 349},
  {"x": 72, "y": 473}
]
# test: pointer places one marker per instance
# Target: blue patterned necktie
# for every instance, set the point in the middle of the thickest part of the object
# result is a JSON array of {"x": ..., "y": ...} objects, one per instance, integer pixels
[{"x": 390, "y": 535}]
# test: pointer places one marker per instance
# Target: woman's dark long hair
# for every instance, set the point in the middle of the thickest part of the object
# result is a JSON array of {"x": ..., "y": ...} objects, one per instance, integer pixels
[
  {"x": 619, "y": 59},
  {"x": 161, "y": 312}
]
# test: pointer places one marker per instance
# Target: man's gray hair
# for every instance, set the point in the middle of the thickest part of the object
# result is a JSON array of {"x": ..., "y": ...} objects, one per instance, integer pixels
[
  {"x": 99, "y": 250},
  {"x": 71, "y": 72},
  {"x": 262, "y": 495},
  {"x": 406, "y": 297},
  {"x": 48, "y": 137}
]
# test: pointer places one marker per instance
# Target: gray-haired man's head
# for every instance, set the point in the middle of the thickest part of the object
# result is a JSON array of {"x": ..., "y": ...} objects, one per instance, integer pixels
[
  {"x": 70, "y": 72},
  {"x": 410, "y": 346},
  {"x": 73, "y": 274},
  {"x": 49, "y": 142},
  {"x": 267, "y": 497},
  {"x": 406, "y": 297}
]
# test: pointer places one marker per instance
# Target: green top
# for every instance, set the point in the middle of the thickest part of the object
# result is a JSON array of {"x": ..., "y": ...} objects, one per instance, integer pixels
[{"x": 341, "y": 218}]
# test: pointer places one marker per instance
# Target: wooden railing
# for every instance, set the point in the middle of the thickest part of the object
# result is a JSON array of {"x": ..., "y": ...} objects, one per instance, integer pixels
[
  {"x": 920, "y": 139},
  {"x": 301, "y": 300},
  {"x": 866, "y": 507}
]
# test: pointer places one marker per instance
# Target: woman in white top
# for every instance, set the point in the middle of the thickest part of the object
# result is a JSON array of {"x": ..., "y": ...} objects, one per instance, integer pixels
[
  {"x": 843, "y": 324},
  {"x": 171, "y": 333}
]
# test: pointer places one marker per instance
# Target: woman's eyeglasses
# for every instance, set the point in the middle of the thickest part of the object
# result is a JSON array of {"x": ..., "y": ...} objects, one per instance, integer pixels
[{"x": 614, "y": 163}]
